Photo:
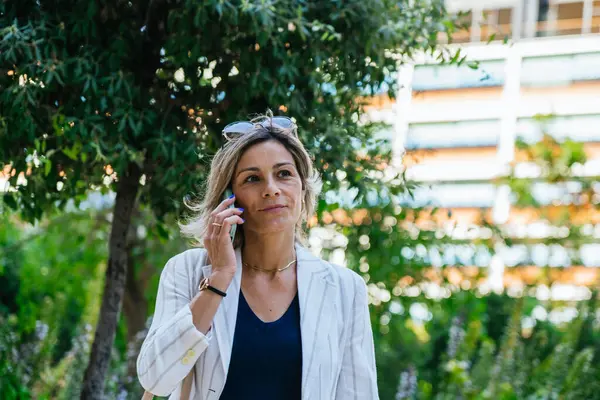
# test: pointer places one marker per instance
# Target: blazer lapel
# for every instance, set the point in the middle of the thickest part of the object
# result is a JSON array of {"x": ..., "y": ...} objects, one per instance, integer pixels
[
  {"x": 317, "y": 311},
  {"x": 225, "y": 318}
]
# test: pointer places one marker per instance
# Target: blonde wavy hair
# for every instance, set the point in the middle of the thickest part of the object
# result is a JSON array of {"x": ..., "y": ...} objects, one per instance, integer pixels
[{"x": 223, "y": 166}]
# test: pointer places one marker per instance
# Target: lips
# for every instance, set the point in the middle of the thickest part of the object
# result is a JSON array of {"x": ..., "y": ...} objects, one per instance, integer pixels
[{"x": 274, "y": 207}]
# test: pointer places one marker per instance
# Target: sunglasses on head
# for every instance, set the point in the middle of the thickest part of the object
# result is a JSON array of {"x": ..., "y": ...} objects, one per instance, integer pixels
[{"x": 235, "y": 129}]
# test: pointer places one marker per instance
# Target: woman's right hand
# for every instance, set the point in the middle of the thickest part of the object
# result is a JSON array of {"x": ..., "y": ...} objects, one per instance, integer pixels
[{"x": 217, "y": 241}]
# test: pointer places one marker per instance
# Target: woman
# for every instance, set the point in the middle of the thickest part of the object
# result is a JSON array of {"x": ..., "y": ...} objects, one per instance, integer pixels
[{"x": 268, "y": 320}]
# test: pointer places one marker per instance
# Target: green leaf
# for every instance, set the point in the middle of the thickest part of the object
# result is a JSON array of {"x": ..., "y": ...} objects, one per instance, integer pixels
[
  {"x": 47, "y": 167},
  {"x": 162, "y": 232},
  {"x": 74, "y": 151},
  {"x": 132, "y": 126},
  {"x": 122, "y": 123},
  {"x": 71, "y": 153},
  {"x": 10, "y": 201}
]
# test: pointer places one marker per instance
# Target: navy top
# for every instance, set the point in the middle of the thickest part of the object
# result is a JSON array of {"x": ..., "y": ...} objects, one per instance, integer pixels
[{"x": 266, "y": 358}]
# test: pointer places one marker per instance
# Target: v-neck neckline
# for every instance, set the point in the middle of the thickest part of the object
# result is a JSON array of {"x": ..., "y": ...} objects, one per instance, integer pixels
[{"x": 287, "y": 310}]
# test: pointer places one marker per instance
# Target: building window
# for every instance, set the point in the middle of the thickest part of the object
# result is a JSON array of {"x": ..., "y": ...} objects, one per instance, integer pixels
[
  {"x": 595, "y": 23},
  {"x": 436, "y": 77},
  {"x": 475, "y": 25},
  {"x": 543, "y": 7},
  {"x": 479, "y": 195},
  {"x": 580, "y": 128},
  {"x": 478, "y": 133},
  {"x": 563, "y": 193},
  {"x": 448, "y": 171},
  {"x": 560, "y": 18},
  {"x": 560, "y": 70}
]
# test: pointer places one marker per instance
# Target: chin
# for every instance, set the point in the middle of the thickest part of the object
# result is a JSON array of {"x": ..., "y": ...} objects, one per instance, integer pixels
[{"x": 275, "y": 226}]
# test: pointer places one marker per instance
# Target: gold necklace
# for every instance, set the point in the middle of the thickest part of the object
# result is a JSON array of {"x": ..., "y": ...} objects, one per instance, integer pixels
[{"x": 269, "y": 270}]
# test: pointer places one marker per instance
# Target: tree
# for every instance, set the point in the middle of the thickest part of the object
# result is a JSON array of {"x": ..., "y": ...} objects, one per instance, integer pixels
[
  {"x": 129, "y": 97},
  {"x": 559, "y": 193}
]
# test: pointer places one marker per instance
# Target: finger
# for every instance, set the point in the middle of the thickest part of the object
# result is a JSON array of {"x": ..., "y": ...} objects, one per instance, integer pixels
[
  {"x": 228, "y": 222},
  {"x": 227, "y": 213},
  {"x": 214, "y": 226},
  {"x": 223, "y": 205},
  {"x": 213, "y": 230},
  {"x": 219, "y": 218}
]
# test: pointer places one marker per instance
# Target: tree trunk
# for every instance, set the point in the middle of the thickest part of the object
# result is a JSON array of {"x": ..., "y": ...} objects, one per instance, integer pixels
[
  {"x": 135, "y": 306},
  {"x": 114, "y": 285},
  {"x": 135, "y": 310}
]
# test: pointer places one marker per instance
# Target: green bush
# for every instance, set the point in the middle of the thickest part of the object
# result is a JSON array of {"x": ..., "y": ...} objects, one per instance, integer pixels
[
  {"x": 550, "y": 362},
  {"x": 469, "y": 346}
]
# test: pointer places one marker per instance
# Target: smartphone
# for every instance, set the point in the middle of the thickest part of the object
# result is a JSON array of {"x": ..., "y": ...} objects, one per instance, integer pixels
[{"x": 228, "y": 194}]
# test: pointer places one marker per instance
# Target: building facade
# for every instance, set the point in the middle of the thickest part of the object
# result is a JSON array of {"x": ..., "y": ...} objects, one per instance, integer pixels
[{"x": 455, "y": 129}]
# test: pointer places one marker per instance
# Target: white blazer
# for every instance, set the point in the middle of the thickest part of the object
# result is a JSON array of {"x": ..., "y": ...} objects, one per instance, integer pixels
[{"x": 338, "y": 357}]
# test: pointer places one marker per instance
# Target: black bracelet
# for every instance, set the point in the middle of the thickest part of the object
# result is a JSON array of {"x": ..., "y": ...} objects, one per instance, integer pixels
[
  {"x": 205, "y": 284},
  {"x": 217, "y": 291}
]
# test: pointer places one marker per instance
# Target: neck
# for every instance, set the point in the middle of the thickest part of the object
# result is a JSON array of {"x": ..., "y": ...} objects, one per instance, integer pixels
[{"x": 269, "y": 252}]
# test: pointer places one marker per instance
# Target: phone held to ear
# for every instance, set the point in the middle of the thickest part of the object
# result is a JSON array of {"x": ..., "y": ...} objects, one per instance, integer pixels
[{"x": 228, "y": 194}]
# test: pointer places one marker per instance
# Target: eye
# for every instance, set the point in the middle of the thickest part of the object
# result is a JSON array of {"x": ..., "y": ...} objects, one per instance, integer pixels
[
  {"x": 285, "y": 173},
  {"x": 251, "y": 178}
]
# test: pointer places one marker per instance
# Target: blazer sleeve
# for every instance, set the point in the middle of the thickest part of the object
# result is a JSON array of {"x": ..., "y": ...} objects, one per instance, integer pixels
[
  {"x": 173, "y": 343},
  {"x": 358, "y": 374}
]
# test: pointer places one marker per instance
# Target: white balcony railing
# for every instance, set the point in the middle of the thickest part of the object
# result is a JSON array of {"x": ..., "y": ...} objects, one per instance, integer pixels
[
  {"x": 580, "y": 128},
  {"x": 436, "y": 77},
  {"x": 476, "y": 133},
  {"x": 478, "y": 195}
]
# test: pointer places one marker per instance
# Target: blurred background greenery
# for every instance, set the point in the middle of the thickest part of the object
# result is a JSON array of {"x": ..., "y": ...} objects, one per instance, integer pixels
[
  {"x": 463, "y": 345},
  {"x": 109, "y": 114}
]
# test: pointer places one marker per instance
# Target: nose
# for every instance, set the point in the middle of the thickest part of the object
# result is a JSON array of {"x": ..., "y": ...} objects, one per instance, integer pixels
[{"x": 271, "y": 189}]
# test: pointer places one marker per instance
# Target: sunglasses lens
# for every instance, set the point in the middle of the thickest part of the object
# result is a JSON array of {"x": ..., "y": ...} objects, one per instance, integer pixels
[
  {"x": 283, "y": 122},
  {"x": 236, "y": 128}
]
